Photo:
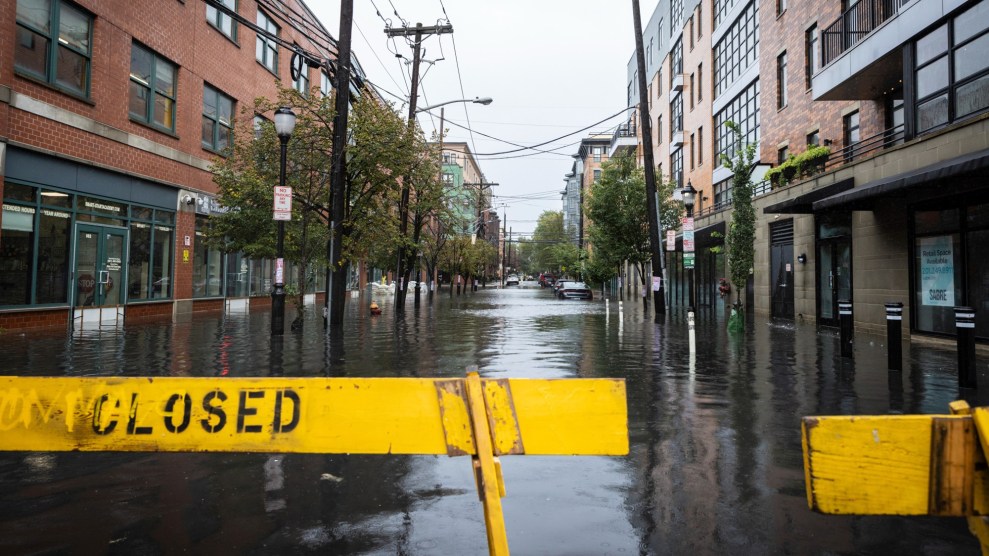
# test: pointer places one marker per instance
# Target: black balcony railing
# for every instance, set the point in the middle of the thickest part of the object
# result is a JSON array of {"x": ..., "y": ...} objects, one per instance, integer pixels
[
  {"x": 625, "y": 130},
  {"x": 858, "y": 21}
]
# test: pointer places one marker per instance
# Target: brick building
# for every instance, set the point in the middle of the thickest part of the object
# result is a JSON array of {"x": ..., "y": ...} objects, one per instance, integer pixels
[
  {"x": 894, "y": 211},
  {"x": 111, "y": 113}
]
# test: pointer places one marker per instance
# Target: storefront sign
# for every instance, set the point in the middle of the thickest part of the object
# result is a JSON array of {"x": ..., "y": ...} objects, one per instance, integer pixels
[{"x": 937, "y": 271}]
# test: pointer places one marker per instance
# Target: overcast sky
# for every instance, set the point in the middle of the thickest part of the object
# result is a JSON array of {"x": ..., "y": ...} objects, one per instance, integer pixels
[{"x": 552, "y": 68}]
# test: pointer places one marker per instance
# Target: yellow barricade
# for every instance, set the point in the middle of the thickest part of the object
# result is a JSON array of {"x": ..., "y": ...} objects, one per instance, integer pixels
[
  {"x": 901, "y": 465},
  {"x": 472, "y": 416}
]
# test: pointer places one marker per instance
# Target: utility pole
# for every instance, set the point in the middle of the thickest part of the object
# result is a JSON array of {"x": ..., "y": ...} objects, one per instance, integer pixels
[
  {"x": 504, "y": 244},
  {"x": 402, "y": 270},
  {"x": 336, "y": 286},
  {"x": 652, "y": 201}
]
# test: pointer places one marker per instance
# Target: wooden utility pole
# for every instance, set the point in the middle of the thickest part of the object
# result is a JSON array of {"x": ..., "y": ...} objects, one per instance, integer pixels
[
  {"x": 658, "y": 258},
  {"x": 402, "y": 270},
  {"x": 337, "y": 287}
]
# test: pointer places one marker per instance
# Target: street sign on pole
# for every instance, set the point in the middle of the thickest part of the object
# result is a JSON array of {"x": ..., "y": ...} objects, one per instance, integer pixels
[
  {"x": 283, "y": 203},
  {"x": 671, "y": 240},
  {"x": 688, "y": 260}
]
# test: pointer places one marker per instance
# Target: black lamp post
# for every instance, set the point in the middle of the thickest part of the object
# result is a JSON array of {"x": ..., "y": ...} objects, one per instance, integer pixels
[
  {"x": 688, "y": 193},
  {"x": 284, "y": 126}
]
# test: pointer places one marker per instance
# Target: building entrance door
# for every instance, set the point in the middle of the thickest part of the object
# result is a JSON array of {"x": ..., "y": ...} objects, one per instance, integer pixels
[
  {"x": 781, "y": 269},
  {"x": 99, "y": 268},
  {"x": 834, "y": 275}
]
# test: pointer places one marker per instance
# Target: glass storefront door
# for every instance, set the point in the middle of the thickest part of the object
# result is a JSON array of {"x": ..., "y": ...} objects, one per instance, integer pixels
[
  {"x": 99, "y": 268},
  {"x": 834, "y": 268}
]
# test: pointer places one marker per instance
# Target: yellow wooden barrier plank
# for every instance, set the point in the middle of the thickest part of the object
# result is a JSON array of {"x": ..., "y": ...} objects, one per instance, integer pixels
[
  {"x": 882, "y": 465},
  {"x": 304, "y": 415}
]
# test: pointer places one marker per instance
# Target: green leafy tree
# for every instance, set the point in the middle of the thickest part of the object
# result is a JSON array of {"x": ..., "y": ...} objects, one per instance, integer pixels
[
  {"x": 549, "y": 232},
  {"x": 619, "y": 220},
  {"x": 740, "y": 241},
  {"x": 381, "y": 149}
]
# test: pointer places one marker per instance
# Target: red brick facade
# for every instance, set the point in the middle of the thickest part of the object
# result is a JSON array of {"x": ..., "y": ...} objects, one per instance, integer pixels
[{"x": 99, "y": 131}]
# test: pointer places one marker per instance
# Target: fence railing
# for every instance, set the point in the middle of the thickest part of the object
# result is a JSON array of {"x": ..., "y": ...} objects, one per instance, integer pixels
[{"x": 854, "y": 24}]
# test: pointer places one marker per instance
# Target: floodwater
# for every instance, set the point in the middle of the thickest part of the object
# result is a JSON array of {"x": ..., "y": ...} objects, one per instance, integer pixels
[{"x": 715, "y": 464}]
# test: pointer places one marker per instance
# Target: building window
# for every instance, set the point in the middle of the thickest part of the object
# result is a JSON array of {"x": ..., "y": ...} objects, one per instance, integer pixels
[
  {"x": 267, "y": 49},
  {"x": 780, "y": 7},
  {"x": 814, "y": 138},
  {"x": 659, "y": 83},
  {"x": 851, "y": 134},
  {"x": 44, "y": 23},
  {"x": 597, "y": 153},
  {"x": 152, "y": 88},
  {"x": 700, "y": 20},
  {"x": 691, "y": 93},
  {"x": 676, "y": 167},
  {"x": 223, "y": 22},
  {"x": 690, "y": 32},
  {"x": 676, "y": 15},
  {"x": 781, "y": 81},
  {"x": 691, "y": 151},
  {"x": 325, "y": 84},
  {"x": 700, "y": 146},
  {"x": 302, "y": 83},
  {"x": 744, "y": 111},
  {"x": 650, "y": 50},
  {"x": 597, "y": 175},
  {"x": 649, "y": 94},
  {"x": 782, "y": 154},
  {"x": 676, "y": 114},
  {"x": 260, "y": 124},
  {"x": 737, "y": 49},
  {"x": 812, "y": 54},
  {"x": 952, "y": 72},
  {"x": 676, "y": 61},
  {"x": 659, "y": 128},
  {"x": 659, "y": 33},
  {"x": 700, "y": 82},
  {"x": 218, "y": 124},
  {"x": 722, "y": 194}
]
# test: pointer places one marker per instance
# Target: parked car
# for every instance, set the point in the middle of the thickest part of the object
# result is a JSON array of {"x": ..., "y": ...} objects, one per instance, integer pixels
[
  {"x": 557, "y": 285},
  {"x": 546, "y": 279},
  {"x": 512, "y": 280},
  {"x": 575, "y": 290}
]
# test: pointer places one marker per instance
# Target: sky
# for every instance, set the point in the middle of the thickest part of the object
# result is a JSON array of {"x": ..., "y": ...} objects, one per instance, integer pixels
[{"x": 551, "y": 66}]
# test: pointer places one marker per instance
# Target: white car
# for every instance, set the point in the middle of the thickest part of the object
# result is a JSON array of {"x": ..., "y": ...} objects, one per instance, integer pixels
[{"x": 512, "y": 280}]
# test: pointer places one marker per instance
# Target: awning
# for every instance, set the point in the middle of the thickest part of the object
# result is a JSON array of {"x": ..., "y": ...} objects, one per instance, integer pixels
[
  {"x": 928, "y": 179},
  {"x": 803, "y": 204}
]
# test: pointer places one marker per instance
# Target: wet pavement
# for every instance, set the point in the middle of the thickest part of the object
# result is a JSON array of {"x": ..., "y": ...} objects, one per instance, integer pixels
[{"x": 715, "y": 464}]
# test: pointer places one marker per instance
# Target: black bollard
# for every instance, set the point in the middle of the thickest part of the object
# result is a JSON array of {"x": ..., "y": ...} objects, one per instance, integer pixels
[
  {"x": 894, "y": 336},
  {"x": 845, "y": 335},
  {"x": 965, "y": 330}
]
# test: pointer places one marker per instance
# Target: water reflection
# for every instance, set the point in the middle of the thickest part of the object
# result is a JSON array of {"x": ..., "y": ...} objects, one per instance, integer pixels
[{"x": 714, "y": 465}]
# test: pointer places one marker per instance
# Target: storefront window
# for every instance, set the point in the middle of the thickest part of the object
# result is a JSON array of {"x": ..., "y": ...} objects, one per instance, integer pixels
[
  {"x": 16, "y": 250},
  {"x": 161, "y": 259},
  {"x": 261, "y": 273},
  {"x": 53, "y": 256}
]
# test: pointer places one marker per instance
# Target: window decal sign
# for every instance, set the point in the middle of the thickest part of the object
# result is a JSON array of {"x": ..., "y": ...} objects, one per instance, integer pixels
[{"x": 937, "y": 271}]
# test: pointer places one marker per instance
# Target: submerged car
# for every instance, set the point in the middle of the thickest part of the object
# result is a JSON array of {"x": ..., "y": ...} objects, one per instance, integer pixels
[
  {"x": 512, "y": 280},
  {"x": 574, "y": 290}
]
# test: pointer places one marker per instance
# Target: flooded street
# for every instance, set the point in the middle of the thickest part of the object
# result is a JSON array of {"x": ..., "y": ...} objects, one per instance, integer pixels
[{"x": 715, "y": 463}]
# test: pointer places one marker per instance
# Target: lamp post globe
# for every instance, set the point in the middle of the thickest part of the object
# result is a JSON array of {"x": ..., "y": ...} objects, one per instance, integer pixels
[{"x": 284, "y": 126}]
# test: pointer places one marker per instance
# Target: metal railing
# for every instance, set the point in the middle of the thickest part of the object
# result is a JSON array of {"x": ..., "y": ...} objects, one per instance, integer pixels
[
  {"x": 854, "y": 24},
  {"x": 625, "y": 130}
]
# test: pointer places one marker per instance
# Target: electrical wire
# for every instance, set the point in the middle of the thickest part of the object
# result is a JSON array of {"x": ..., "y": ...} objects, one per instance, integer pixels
[{"x": 456, "y": 58}]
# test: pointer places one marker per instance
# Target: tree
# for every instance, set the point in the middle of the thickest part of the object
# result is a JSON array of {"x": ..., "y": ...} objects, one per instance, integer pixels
[
  {"x": 549, "y": 232},
  {"x": 381, "y": 150},
  {"x": 740, "y": 240},
  {"x": 619, "y": 220}
]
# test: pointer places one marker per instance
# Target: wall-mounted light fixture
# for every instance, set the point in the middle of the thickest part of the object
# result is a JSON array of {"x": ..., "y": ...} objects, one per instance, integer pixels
[{"x": 802, "y": 258}]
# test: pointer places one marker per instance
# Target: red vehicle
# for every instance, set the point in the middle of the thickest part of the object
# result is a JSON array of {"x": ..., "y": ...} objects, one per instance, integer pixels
[{"x": 547, "y": 279}]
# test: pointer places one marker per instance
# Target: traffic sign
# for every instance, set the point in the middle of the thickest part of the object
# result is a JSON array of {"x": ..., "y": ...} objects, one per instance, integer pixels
[
  {"x": 688, "y": 260},
  {"x": 283, "y": 203}
]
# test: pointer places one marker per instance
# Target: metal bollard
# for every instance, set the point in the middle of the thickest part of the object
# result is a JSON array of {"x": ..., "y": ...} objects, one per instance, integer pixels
[
  {"x": 965, "y": 330},
  {"x": 845, "y": 334},
  {"x": 894, "y": 336}
]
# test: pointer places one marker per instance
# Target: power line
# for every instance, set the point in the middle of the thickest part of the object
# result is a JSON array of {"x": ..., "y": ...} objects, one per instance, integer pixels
[
  {"x": 532, "y": 147},
  {"x": 456, "y": 58}
]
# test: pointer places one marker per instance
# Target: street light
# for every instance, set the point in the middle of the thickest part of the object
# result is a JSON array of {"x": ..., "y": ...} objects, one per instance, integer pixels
[
  {"x": 688, "y": 193},
  {"x": 476, "y": 100},
  {"x": 284, "y": 126}
]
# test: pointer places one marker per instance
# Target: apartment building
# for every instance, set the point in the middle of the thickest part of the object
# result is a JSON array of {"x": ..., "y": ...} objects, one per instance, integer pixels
[
  {"x": 111, "y": 114},
  {"x": 464, "y": 186},
  {"x": 896, "y": 96},
  {"x": 585, "y": 171}
]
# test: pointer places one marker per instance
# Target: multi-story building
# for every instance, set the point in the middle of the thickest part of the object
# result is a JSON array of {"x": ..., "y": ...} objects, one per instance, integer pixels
[
  {"x": 466, "y": 191},
  {"x": 111, "y": 114},
  {"x": 897, "y": 96},
  {"x": 586, "y": 170}
]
